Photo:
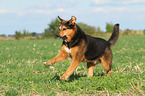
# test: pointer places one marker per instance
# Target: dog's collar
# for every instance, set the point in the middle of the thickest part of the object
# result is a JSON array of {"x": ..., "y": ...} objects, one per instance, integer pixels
[{"x": 66, "y": 43}]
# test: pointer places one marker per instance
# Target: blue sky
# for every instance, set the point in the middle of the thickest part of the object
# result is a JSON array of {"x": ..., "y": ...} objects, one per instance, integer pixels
[{"x": 34, "y": 15}]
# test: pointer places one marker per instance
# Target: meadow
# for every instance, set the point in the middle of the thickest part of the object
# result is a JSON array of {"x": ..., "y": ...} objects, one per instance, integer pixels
[{"x": 22, "y": 71}]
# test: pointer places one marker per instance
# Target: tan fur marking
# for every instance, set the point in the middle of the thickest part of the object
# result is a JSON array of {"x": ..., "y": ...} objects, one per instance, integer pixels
[
  {"x": 90, "y": 67},
  {"x": 60, "y": 57},
  {"x": 77, "y": 59},
  {"x": 69, "y": 33},
  {"x": 106, "y": 60},
  {"x": 70, "y": 69}
]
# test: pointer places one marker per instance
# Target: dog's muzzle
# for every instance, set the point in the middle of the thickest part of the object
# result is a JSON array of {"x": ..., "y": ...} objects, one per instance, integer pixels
[{"x": 61, "y": 37}]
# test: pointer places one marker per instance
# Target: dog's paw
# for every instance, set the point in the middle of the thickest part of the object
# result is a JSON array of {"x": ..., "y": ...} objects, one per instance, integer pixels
[
  {"x": 63, "y": 78},
  {"x": 47, "y": 63}
]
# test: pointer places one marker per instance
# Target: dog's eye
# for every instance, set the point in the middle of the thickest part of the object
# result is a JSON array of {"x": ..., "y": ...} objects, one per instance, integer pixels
[{"x": 64, "y": 29}]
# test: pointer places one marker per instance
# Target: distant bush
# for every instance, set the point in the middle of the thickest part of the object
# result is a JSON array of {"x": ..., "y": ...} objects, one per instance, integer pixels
[
  {"x": 25, "y": 35},
  {"x": 3, "y": 35},
  {"x": 18, "y": 35},
  {"x": 109, "y": 27},
  {"x": 144, "y": 31},
  {"x": 90, "y": 30},
  {"x": 132, "y": 32}
]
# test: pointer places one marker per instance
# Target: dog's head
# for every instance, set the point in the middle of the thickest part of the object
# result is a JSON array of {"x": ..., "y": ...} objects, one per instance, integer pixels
[{"x": 67, "y": 29}]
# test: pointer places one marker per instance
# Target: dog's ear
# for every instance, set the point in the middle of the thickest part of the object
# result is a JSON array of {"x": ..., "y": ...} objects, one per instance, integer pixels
[
  {"x": 72, "y": 20},
  {"x": 61, "y": 20}
]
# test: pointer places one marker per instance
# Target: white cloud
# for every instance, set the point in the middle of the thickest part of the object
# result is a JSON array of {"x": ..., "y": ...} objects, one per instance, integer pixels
[
  {"x": 5, "y": 11},
  {"x": 60, "y": 10},
  {"x": 132, "y": 1},
  {"x": 130, "y": 6},
  {"x": 21, "y": 13},
  {"x": 98, "y": 2},
  {"x": 38, "y": 11},
  {"x": 119, "y": 9},
  {"x": 117, "y": 2},
  {"x": 44, "y": 6},
  {"x": 104, "y": 10},
  {"x": 99, "y": 10}
]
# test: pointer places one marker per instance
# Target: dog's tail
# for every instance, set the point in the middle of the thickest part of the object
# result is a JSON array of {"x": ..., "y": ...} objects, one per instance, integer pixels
[{"x": 115, "y": 34}]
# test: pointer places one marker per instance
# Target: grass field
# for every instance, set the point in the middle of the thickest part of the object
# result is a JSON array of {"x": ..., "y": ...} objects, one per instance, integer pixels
[{"x": 22, "y": 71}]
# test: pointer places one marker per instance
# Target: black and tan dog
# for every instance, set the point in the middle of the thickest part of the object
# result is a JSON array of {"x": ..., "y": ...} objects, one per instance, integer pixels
[{"x": 83, "y": 48}]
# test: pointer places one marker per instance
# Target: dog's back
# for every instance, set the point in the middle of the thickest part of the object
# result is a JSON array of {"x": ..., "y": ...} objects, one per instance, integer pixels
[{"x": 95, "y": 47}]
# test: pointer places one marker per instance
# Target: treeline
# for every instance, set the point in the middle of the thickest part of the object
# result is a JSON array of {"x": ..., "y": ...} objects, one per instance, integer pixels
[
  {"x": 26, "y": 34},
  {"x": 53, "y": 29},
  {"x": 90, "y": 30}
]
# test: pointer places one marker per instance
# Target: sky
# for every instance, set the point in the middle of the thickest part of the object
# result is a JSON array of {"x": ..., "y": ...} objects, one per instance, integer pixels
[{"x": 35, "y": 15}]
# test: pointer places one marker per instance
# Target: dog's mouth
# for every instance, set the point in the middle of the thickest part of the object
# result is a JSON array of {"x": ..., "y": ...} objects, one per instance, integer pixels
[{"x": 61, "y": 37}]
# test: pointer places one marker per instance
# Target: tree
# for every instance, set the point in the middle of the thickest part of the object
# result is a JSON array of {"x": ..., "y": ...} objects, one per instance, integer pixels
[
  {"x": 90, "y": 30},
  {"x": 24, "y": 32},
  {"x": 109, "y": 27},
  {"x": 3, "y": 35},
  {"x": 99, "y": 30},
  {"x": 54, "y": 27},
  {"x": 48, "y": 34},
  {"x": 18, "y": 35}
]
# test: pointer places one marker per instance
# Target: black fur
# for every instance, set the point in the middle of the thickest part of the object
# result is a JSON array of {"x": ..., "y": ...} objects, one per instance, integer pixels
[
  {"x": 95, "y": 46},
  {"x": 115, "y": 35}
]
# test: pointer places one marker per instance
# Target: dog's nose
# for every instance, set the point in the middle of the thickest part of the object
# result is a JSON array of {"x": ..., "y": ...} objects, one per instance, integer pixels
[{"x": 58, "y": 36}]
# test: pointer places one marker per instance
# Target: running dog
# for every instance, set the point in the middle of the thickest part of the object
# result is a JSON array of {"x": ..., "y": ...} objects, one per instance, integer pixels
[{"x": 83, "y": 48}]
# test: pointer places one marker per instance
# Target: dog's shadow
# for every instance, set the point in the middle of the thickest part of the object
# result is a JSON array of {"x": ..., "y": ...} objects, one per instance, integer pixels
[
  {"x": 100, "y": 74},
  {"x": 71, "y": 78},
  {"x": 76, "y": 77}
]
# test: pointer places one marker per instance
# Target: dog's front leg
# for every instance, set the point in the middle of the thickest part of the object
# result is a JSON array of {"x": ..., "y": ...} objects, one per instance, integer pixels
[
  {"x": 70, "y": 69},
  {"x": 60, "y": 57}
]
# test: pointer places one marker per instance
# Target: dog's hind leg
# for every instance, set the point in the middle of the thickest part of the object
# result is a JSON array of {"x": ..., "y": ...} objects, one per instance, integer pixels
[
  {"x": 106, "y": 61},
  {"x": 90, "y": 66}
]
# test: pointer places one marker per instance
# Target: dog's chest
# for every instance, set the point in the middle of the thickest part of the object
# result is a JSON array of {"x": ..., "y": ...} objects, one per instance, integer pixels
[{"x": 67, "y": 50}]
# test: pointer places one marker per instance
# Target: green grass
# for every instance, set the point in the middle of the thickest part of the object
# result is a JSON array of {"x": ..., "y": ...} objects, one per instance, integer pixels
[{"x": 22, "y": 71}]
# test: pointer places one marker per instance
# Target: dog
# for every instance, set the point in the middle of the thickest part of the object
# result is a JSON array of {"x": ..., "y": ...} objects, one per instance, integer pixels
[{"x": 83, "y": 48}]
